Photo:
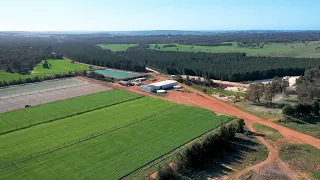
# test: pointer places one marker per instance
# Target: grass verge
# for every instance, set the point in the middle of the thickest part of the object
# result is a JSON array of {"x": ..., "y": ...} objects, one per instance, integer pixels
[
  {"x": 302, "y": 157},
  {"x": 310, "y": 126}
]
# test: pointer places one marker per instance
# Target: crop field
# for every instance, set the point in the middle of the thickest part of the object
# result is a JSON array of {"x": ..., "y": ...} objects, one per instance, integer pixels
[
  {"x": 107, "y": 143},
  {"x": 23, "y": 118},
  {"x": 57, "y": 66},
  {"x": 116, "y": 47},
  {"x": 271, "y": 49}
]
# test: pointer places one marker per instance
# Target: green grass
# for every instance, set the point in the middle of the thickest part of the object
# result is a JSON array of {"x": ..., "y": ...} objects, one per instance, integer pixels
[
  {"x": 272, "y": 49},
  {"x": 22, "y": 144},
  {"x": 302, "y": 157},
  {"x": 270, "y": 133},
  {"x": 25, "y": 117},
  {"x": 113, "y": 154},
  {"x": 310, "y": 126},
  {"x": 220, "y": 91},
  {"x": 116, "y": 47},
  {"x": 57, "y": 66}
]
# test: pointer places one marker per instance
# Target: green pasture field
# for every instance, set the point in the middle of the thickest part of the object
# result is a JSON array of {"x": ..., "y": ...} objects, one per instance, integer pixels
[
  {"x": 38, "y": 114},
  {"x": 139, "y": 132},
  {"x": 22, "y": 144},
  {"x": 271, "y": 49},
  {"x": 57, "y": 66},
  {"x": 116, "y": 47}
]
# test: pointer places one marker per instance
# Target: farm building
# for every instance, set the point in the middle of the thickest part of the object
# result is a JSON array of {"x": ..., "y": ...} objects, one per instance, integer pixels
[
  {"x": 140, "y": 79},
  {"x": 168, "y": 84},
  {"x": 125, "y": 83}
]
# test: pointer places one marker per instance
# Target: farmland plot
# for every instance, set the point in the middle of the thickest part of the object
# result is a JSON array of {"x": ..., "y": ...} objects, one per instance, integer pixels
[
  {"x": 29, "y": 116},
  {"x": 23, "y": 144},
  {"x": 113, "y": 154}
]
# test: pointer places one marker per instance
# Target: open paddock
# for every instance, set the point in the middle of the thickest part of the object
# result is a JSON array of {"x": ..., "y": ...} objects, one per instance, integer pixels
[{"x": 34, "y": 97}]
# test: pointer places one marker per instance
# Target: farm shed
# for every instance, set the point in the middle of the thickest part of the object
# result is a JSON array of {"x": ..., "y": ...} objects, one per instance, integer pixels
[
  {"x": 168, "y": 84},
  {"x": 125, "y": 83},
  {"x": 140, "y": 79}
]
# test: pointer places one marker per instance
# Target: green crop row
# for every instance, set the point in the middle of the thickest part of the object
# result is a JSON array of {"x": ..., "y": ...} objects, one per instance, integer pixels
[
  {"x": 25, "y": 144},
  {"x": 19, "y": 119},
  {"x": 111, "y": 155}
]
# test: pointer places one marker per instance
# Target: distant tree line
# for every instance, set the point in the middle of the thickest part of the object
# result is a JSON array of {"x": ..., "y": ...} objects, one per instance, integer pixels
[
  {"x": 217, "y": 38},
  {"x": 37, "y": 79},
  {"x": 211, "y": 44},
  {"x": 199, "y": 154},
  {"x": 224, "y": 66}
]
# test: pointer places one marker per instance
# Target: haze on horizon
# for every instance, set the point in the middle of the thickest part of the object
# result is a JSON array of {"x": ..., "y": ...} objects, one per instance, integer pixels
[{"x": 125, "y": 15}]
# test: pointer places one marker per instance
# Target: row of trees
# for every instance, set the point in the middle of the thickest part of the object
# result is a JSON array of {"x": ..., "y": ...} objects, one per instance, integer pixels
[
  {"x": 302, "y": 110},
  {"x": 205, "y": 39},
  {"x": 256, "y": 91},
  {"x": 37, "y": 79},
  {"x": 308, "y": 90},
  {"x": 308, "y": 85},
  {"x": 199, "y": 154}
]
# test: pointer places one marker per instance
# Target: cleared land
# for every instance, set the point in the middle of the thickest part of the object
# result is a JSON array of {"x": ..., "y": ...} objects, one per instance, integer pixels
[
  {"x": 303, "y": 158},
  {"x": 57, "y": 66},
  {"x": 116, "y": 47},
  {"x": 271, "y": 49},
  {"x": 29, "y": 116},
  {"x": 310, "y": 126},
  {"x": 211, "y": 90},
  {"x": 48, "y": 95},
  {"x": 121, "y": 138}
]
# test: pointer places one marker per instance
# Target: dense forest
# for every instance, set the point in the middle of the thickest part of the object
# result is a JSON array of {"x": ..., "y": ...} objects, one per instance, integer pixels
[
  {"x": 94, "y": 55},
  {"x": 23, "y": 58},
  {"x": 22, "y": 54},
  {"x": 225, "y": 66}
]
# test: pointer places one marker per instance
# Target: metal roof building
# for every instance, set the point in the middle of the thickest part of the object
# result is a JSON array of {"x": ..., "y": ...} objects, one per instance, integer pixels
[{"x": 168, "y": 84}]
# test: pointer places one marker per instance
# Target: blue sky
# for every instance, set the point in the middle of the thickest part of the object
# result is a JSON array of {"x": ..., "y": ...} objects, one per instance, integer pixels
[{"x": 113, "y": 15}]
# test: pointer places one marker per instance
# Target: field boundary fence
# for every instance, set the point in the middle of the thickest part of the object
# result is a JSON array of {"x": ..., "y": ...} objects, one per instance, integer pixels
[
  {"x": 77, "y": 141},
  {"x": 70, "y": 115},
  {"x": 162, "y": 158}
]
